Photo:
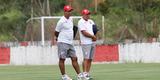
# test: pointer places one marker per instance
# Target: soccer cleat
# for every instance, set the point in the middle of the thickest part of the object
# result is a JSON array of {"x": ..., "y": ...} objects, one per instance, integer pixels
[
  {"x": 86, "y": 76},
  {"x": 66, "y": 77},
  {"x": 80, "y": 76}
]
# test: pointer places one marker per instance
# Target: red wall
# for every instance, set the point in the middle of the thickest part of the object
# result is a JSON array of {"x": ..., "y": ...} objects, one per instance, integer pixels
[
  {"x": 103, "y": 53},
  {"x": 106, "y": 53},
  {"x": 4, "y": 55}
]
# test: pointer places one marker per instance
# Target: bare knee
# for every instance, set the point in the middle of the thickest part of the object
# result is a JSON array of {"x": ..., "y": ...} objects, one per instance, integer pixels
[
  {"x": 87, "y": 59},
  {"x": 74, "y": 59},
  {"x": 90, "y": 60},
  {"x": 61, "y": 60}
]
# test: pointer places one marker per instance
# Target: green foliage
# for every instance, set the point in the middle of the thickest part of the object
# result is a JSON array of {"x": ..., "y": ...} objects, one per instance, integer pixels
[
  {"x": 57, "y": 5},
  {"x": 85, "y": 3},
  {"x": 133, "y": 19},
  {"x": 13, "y": 16},
  {"x": 5, "y": 37},
  {"x": 150, "y": 34},
  {"x": 10, "y": 21}
]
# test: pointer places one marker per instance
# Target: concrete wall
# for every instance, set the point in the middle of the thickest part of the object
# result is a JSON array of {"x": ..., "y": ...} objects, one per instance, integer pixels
[
  {"x": 47, "y": 55},
  {"x": 38, "y": 55},
  {"x": 139, "y": 52}
]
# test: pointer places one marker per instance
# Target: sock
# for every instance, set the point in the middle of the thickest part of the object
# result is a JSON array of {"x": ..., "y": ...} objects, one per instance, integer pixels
[{"x": 63, "y": 75}]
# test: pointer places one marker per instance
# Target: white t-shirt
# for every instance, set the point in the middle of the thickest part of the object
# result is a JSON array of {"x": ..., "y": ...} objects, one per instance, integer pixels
[
  {"x": 87, "y": 26},
  {"x": 65, "y": 29}
]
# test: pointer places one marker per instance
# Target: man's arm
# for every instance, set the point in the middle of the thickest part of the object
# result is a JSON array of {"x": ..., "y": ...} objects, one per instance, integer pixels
[
  {"x": 93, "y": 37},
  {"x": 75, "y": 28},
  {"x": 56, "y": 34}
]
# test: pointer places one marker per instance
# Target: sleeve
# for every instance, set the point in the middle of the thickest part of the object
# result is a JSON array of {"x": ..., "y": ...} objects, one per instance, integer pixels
[
  {"x": 81, "y": 26},
  {"x": 58, "y": 26},
  {"x": 92, "y": 22},
  {"x": 94, "y": 27}
]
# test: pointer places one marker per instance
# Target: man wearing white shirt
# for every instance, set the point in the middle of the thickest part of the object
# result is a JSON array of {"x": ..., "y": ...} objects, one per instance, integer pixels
[
  {"x": 87, "y": 38},
  {"x": 64, "y": 34}
]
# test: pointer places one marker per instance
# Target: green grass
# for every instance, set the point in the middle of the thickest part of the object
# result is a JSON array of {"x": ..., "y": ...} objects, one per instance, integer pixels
[{"x": 99, "y": 72}]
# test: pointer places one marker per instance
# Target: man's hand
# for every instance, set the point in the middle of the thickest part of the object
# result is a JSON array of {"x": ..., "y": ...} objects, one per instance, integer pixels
[
  {"x": 94, "y": 38},
  {"x": 54, "y": 41}
]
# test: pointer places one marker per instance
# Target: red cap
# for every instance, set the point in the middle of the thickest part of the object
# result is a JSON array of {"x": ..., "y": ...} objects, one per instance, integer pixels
[
  {"x": 85, "y": 12},
  {"x": 67, "y": 8}
]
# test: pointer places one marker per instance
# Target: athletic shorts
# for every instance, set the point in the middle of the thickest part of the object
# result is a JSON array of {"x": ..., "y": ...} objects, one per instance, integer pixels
[
  {"x": 88, "y": 51},
  {"x": 66, "y": 50}
]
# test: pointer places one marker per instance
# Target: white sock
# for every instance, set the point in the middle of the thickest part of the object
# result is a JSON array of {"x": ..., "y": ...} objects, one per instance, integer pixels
[{"x": 64, "y": 75}]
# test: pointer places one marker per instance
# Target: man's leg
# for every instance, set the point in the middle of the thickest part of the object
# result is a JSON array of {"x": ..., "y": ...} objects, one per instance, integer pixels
[
  {"x": 84, "y": 65},
  {"x": 88, "y": 65},
  {"x": 88, "y": 52},
  {"x": 88, "y": 55},
  {"x": 75, "y": 64},
  {"x": 77, "y": 69},
  {"x": 62, "y": 53},
  {"x": 62, "y": 66},
  {"x": 89, "y": 60},
  {"x": 86, "y": 69}
]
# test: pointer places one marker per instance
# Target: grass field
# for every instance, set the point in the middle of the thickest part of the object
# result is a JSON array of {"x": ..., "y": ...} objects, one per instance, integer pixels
[{"x": 99, "y": 72}]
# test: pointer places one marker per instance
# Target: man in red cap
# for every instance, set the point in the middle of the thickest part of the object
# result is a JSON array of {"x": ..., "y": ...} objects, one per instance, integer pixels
[
  {"x": 64, "y": 34},
  {"x": 87, "y": 38}
]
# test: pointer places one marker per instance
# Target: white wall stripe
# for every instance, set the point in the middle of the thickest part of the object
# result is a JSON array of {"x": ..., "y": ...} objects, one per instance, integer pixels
[
  {"x": 139, "y": 52},
  {"x": 38, "y": 55}
]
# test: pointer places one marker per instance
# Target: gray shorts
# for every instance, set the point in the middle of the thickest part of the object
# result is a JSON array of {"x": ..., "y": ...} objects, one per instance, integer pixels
[
  {"x": 88, "y": 51},
  {"x": 66, "y": 50}
]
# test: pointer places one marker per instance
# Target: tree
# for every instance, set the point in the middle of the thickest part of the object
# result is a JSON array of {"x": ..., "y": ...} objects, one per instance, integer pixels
[
  {"x": 12, "y": 16},
  {"x": 140, "y": 16}
]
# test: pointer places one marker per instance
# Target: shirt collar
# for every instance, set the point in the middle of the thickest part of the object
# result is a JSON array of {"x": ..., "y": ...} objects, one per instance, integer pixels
[
  {"x": 85, "y": 20},
  {"x": 65, "y": 19}
]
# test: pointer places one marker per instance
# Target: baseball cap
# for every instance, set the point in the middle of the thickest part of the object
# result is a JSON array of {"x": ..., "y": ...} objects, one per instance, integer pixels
[
  {"x": 86, "y": 12},
  {"x": 67, "y": 8}
]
